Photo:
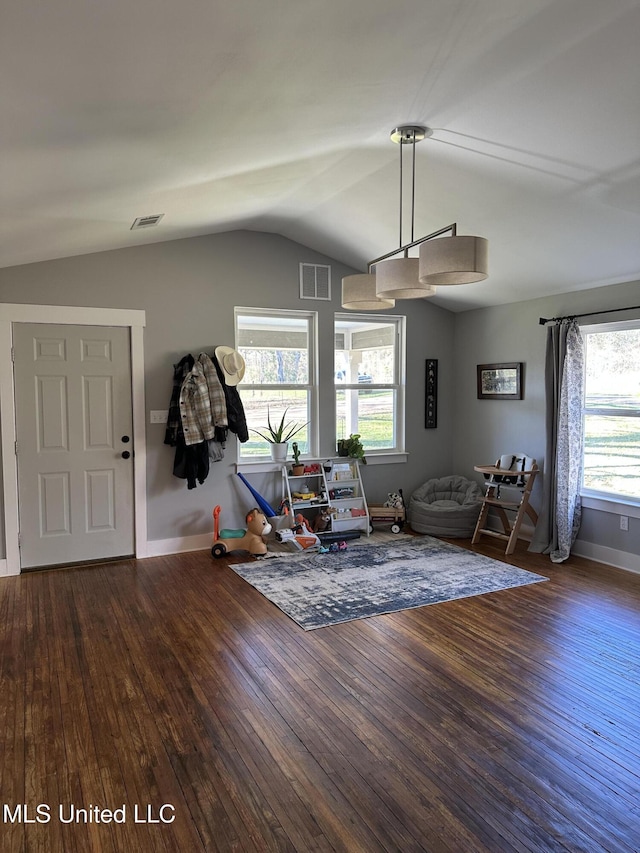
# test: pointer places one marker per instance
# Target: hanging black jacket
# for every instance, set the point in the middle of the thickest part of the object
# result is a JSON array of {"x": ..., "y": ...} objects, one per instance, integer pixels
[
  {"x": 174, "y": 422},
  {"x": 235, "y": 409},
  {"x": 191, "y": 462}
]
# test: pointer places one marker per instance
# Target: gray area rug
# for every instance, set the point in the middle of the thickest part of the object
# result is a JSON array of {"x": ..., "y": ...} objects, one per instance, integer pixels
[{"x": 317, "y": 590}]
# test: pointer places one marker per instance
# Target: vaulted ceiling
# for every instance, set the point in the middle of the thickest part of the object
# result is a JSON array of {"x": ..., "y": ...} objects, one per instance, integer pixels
[{"x": 275, "y": 115}]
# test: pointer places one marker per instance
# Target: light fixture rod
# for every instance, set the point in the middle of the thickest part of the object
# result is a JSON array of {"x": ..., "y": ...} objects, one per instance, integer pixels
[
  {"x": 408, "y": 134},
  {"x": 413, "y": 182},
  {"x": 407, "y": 246},
  {"x": 401, "y": 185}
]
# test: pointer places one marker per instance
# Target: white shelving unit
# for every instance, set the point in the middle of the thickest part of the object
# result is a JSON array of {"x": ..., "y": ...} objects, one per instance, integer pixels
[{"x": 337, "y": 486}]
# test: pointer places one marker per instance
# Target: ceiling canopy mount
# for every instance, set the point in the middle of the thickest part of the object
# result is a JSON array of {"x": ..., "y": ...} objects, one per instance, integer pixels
[{"x": 407, "y": 134}]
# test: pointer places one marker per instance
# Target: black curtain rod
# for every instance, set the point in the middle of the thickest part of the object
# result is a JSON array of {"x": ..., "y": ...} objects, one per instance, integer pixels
[{"x": 543, "y": 320}]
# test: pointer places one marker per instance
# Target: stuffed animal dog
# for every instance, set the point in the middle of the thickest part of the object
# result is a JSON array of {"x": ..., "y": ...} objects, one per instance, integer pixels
[{"x": 394, "y": 500}]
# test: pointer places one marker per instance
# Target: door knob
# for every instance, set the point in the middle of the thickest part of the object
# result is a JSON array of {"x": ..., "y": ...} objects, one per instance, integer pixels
[
  {"x": 125, "y": 454},
  {"x": 125, "y": 439}
]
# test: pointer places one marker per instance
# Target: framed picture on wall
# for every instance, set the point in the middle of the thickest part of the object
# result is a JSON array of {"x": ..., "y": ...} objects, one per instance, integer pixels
[{"x": 500, "y": 381}]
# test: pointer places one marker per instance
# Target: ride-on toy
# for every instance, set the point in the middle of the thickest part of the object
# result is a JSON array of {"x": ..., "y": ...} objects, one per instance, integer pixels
[{"x": 250, "y": 540}]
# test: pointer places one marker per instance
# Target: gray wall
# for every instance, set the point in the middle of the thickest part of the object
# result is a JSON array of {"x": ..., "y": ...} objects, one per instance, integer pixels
[
  {"x": 188, "y": 289},
  {"x": 485, "y": 429}
]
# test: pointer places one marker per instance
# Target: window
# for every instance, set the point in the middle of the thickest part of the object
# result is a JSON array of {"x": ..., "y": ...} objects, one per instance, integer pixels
[
  {"x": 279, "y": 352},
  {"x": 612, "y": 411},
  {"x": 369, "y": 380}
]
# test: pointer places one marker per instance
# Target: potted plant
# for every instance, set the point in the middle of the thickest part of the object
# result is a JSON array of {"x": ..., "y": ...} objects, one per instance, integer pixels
[
  {"x": 278, "y": 436},
  {"x": 297, "y": 468},
  {"x": 352, "y": 447}
]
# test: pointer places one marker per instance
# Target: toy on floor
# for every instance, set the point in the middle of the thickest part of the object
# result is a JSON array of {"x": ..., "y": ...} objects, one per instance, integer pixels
[
  {"x": 264, "y": 505},
  {"x": 297, "y": 539},
  {"x": 333, "y": 548},
  {"x": 250, "y": 540},
  {"x": 392, "y": 512}
]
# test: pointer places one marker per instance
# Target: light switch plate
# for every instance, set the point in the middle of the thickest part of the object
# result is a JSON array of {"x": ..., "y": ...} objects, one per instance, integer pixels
[{"x": 158, "y": 416}]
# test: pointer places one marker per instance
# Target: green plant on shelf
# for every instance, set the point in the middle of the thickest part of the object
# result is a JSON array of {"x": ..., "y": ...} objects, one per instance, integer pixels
[{"x": 352, "y": 447}]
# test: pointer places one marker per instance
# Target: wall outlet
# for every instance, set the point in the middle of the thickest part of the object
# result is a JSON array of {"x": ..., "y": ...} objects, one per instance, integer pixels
[
  {"x": 158, "y": 417},
  {"x": 624, "y": 522}
]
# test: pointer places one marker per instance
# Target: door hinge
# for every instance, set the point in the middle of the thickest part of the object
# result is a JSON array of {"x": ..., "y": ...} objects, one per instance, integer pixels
[
  {"x": 13, "y": 355},
  {"x": 15, "y": 446}
]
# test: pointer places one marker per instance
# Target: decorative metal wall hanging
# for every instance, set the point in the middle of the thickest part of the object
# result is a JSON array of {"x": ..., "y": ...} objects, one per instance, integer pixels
[{"x": 431, "y": 394}]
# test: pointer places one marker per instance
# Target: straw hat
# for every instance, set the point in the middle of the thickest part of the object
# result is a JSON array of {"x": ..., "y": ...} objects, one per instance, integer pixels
[{"x": 231, "y": 363}]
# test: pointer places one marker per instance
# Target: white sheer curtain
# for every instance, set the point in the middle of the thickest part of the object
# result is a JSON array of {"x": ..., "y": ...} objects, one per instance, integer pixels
[
  {"x": 570, "y": 446},
  {"x": 561, "y": 505}
]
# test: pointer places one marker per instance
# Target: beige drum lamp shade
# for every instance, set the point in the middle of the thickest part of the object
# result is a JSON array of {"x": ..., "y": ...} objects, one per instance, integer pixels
[
  {"x": 453, "y": 260},
  {"x": 398, "y": 279},
  {"x": 359, "y": 294}
]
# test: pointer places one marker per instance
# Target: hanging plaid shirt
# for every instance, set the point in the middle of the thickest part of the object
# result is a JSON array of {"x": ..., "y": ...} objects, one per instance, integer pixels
[
  {"x": 195, "y": 407},
  {"x": 217, "y": 398}
]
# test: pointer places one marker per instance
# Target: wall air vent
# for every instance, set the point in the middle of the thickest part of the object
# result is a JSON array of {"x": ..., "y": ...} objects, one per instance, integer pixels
[
  {"x": 146, "y": 221},
  {"x": 315, "y": 281}
]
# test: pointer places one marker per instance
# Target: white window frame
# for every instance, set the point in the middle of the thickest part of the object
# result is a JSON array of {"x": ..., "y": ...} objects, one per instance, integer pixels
[
  {"x": 311, "y": 318},
  {"x": 618, "y": 504},
  {"x": 398, "y": 385}
]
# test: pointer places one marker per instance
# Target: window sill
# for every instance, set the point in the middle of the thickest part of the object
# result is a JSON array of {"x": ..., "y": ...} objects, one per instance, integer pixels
[
  {"x": 268, "y": 466},
  {"x": 392, "y": 458},
  {"x": 259, "y": 466},
  {"x": 614, "y": 505}
]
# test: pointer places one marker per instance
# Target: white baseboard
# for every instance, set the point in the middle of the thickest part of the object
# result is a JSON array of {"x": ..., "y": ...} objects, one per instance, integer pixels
[
  {"x": 599, "y": 553},
  {"x": 184, "y": 544},
  {"x": 156, "y": 548},
  {"x": 180, "y": 545},
  {"x": 610, "y": 556}
]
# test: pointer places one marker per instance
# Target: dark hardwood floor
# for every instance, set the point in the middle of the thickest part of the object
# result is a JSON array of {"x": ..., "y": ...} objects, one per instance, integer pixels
[{"x": 504, "y": 722}]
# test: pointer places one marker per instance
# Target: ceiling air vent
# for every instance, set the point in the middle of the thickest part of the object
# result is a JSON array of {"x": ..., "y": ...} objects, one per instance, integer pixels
[
  {"x": 146, "y": 221},
  {"x": 315, "y": 281}
]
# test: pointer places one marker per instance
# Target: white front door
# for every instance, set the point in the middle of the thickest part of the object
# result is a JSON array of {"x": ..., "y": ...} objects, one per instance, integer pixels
[{"x": 74, "y": 443}]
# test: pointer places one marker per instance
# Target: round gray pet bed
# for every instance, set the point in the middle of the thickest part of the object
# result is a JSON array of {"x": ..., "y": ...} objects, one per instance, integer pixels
[{"x": 448, "y": 506}]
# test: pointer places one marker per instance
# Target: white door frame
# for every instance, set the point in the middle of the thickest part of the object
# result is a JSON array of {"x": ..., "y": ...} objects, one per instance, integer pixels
[{"x": 67, "y": 315}]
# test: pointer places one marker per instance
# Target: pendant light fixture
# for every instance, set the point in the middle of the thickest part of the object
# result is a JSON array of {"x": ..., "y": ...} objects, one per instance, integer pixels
[
  {"x": 397, "y": 278},
  {"x": 444, "y": 260}
]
